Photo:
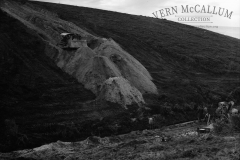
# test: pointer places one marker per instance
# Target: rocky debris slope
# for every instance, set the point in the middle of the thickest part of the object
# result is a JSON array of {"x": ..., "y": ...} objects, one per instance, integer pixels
[
  {"x": 90, "y": 66},
  {"x": 93, "y": 67},
  {"x": 176, "y": 143},
  {"x": 130, "y": 68},
  {"x": 118, "y": 89}
]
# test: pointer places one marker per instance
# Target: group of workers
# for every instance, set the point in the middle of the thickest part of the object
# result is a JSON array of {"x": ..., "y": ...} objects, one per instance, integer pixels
[
  {"x": 209, "y": 114},
  {"x": 223, "y": 112}
]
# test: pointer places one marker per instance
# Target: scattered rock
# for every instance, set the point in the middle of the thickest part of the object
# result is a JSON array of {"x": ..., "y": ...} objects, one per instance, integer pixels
[{"x": 229, "y": 139}]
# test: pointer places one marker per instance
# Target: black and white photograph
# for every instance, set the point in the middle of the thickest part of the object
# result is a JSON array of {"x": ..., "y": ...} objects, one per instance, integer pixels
[{"x": 119, "y": 80}]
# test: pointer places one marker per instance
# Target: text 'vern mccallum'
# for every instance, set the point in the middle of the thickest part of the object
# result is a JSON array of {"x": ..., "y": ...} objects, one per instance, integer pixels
[{"x": 193, "y": 9}]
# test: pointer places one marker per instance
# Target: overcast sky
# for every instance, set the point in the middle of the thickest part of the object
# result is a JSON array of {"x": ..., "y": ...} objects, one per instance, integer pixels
[{"x": 147, "y": 7}]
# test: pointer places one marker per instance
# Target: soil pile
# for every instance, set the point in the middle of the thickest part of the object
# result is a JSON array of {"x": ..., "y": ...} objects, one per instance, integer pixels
[
  {"x": 130, "y": 68},
  {"x": 93, "y": 67},
  {"x": 119, "y": 90}
]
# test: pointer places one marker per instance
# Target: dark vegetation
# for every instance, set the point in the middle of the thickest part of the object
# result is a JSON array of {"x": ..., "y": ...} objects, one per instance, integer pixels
[
  {"x": 39, "y": 103},
  {"x": 34, "y": 91},
  {"x": 229, "y": 127}
]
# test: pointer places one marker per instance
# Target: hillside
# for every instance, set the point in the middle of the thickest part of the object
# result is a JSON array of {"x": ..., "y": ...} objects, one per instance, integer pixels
[
  {"x": 45, "y": 101},
  {"x": 41, "y": 97},
  {"x": 33, "y": 88},
  {"x": 186, "y": 63}
]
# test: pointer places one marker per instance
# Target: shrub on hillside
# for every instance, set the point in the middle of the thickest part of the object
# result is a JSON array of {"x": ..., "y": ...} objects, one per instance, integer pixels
[
  {"x": 221, "y": 127},
  {"x": 235, "y": 120},
  {"x": 12, "y": 138},
  {"x": 21, "y": 1}
]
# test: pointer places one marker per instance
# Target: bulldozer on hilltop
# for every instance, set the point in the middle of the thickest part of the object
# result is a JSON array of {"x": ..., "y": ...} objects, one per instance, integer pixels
[{"x": 71, "y": 41}]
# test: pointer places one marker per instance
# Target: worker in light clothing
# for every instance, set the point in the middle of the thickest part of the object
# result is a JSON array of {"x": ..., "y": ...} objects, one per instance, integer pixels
[
  {"x": 224, "y": 110},
  {"x": 207, "y": 116},
  {"x": 203, "y": 114},
  {"x": 234, "y": 111},
  {"x": 151, "y": 122}
]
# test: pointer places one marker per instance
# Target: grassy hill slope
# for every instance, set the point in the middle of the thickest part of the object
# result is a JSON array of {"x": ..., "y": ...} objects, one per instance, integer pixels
[
  {"x": 187, "y": 63},
  {"x": 35, "y": 93}
]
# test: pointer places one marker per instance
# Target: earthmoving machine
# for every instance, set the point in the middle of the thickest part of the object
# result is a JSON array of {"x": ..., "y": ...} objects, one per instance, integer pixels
[{"x": 70, "y": 41}]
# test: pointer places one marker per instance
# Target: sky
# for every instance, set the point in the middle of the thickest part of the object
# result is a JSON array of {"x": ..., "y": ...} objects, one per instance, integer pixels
[{"x": 148, "y": 7}]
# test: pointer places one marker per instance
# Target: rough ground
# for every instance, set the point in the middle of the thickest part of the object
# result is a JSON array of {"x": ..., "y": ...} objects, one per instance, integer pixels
[{"x": 181, "y": 142}]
